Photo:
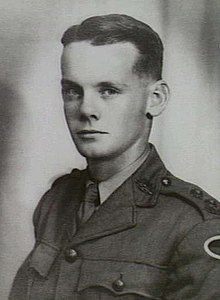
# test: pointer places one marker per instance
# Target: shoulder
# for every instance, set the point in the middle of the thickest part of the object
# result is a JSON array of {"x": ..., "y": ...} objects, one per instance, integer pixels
[
  {"x": 191, "y": 195},
  {"x": 61, "y": 187},
  {"x": 196, "y": 252},
  {"x": 198, "y": 219},
  {"x": 75, "y": 175}
]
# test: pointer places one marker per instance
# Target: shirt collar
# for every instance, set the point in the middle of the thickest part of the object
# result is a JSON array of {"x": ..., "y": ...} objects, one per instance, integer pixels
[{"x": 107, "y": 187}]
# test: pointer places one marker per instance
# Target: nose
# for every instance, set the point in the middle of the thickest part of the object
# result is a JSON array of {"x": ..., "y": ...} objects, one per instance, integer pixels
[{"x": 89, "y": 107}]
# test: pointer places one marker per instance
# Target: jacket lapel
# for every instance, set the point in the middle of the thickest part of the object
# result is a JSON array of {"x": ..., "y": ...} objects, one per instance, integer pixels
[
  {"x": 116, "y": 214},
  {"x": 61, "y": 221},
  {"x": 69, "y": 220}
]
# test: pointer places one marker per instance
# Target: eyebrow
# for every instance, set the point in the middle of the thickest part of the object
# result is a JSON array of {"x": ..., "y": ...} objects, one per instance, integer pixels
[
  {"x": 99, "y": 85},
  {"x": 114, "y": 84},
  {"x": 69, "y": 82}
]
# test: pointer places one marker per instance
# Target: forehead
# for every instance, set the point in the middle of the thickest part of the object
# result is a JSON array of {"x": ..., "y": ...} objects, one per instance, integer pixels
[{"x": 83, "y": 60}]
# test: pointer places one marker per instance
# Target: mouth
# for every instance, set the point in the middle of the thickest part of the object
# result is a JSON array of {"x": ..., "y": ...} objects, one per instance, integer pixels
[{"x": 90, "y": 132}]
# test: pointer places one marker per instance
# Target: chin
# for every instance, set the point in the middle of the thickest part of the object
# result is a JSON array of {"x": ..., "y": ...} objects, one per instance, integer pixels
[
  {"x": 89, "y": 152},
  {"x": 94, "y": 152}
]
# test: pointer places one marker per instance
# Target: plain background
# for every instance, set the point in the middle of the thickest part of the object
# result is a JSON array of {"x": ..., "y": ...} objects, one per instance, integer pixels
[{"x": 35, "y": 146}]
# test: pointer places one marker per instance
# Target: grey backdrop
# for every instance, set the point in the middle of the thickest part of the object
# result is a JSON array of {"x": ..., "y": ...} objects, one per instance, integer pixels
[{"x": 35, "y": 146}]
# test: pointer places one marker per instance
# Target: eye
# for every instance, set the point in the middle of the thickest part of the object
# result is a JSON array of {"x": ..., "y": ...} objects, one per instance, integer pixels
[
  {"x": 109, "y": 92},
  {"x": 71, "y": 93}
]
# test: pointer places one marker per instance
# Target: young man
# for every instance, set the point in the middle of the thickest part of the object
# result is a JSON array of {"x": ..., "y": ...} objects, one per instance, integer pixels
[{"x": 124, "y": 228}]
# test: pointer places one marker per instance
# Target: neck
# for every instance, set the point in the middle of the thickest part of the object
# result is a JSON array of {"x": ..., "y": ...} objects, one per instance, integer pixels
[{"x": 103, "y": 168}]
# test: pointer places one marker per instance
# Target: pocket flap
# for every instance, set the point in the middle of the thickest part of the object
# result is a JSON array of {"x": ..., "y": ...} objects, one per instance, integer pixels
[
  {"x": 139, "y": 279},
  {"x": 42, "y": 258}
]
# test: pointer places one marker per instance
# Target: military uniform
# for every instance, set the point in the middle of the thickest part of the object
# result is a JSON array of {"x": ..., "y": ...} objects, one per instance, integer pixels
[{"x": 156, "y": 237}]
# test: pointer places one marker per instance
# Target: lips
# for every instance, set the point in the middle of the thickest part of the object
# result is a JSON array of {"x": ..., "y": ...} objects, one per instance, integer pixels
[{"x": 85, "y": 132}]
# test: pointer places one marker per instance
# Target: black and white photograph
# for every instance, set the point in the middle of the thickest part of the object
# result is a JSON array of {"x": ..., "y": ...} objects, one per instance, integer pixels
[{"x": 110, "y": 150}]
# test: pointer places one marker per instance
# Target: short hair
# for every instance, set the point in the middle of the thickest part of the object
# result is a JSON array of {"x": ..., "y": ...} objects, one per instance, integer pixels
[{"x": 116, "y": 28}]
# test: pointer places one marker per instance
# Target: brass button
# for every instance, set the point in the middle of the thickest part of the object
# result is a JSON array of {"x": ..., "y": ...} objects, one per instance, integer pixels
[
  {"x": 212, "y": 202},
  {"x": 212, "y": 206},
  {"x": 196, "y": 193},
  {"x": 118, "y": 285},
  {"x": 70, "y": 255},
  {"x": 166, "y": 181}
]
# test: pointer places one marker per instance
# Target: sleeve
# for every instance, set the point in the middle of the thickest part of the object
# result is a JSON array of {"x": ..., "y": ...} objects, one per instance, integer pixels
[{"x": 195, "y": 266}]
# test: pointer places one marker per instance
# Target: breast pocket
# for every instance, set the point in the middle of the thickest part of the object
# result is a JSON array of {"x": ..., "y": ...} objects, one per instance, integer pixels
[{"x": 125, "y": 279}]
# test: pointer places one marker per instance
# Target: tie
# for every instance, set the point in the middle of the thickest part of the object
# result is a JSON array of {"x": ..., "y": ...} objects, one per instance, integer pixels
[{"x": 89, "y": 204}]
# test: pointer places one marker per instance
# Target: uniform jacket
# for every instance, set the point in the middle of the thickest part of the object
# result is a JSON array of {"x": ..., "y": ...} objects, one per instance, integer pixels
[{"x": 146, "y": 241}]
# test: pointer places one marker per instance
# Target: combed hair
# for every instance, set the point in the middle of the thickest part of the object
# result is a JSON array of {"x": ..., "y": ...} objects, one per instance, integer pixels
[{"x": 116, "y": 28}]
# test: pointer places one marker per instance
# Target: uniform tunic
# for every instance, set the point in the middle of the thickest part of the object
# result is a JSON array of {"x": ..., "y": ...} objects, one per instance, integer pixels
[{"x": 155, "y": 237}]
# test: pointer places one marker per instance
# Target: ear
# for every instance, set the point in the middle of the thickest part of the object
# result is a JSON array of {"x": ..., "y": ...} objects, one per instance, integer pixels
[{"x": 157, "y": 98}]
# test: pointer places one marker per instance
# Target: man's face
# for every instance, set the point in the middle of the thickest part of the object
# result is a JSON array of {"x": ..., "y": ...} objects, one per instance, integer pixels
[{"x": 104, "y": 100}]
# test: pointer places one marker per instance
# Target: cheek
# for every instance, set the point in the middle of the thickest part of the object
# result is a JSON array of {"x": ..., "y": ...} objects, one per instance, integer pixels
[
  {"x": 127, "y": 116},
  {"x": 135, "y": 121},
  {"x": 124, "y": 125},
  {"x": 134, "y": 113},
  {"x": 70, "y": 111}
]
